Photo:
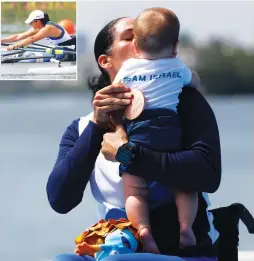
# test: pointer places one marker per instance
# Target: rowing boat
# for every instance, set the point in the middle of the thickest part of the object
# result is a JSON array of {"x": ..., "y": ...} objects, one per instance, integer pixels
[
  {"x": 48, "y": 68},
  {"x": 27, "y": 64}
]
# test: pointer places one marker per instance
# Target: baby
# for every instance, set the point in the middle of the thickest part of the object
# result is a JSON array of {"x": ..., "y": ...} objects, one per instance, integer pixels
[{"x": 160, "y": 76}]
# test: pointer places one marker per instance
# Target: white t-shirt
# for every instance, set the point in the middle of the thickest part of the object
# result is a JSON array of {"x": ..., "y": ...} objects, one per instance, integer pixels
[{"x": 161, "y": 81}]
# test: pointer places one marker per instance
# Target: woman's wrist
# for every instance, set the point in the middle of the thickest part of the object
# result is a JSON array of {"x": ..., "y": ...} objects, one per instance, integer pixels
[
  {"x": 101, "y": 124},
  {"x": 98, "y": 127},
  {"x": 16, "y": 45}
]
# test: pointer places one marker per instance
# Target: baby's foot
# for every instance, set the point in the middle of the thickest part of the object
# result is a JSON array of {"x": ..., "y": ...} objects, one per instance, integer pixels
[
  {"x": 84, "y": 249},
  {"x": 149, "y": 245},
  {"x": 187, "y": 237}
]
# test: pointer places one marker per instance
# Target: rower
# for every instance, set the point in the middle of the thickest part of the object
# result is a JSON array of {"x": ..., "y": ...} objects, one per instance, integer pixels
[{"x": 42, "y": 28}]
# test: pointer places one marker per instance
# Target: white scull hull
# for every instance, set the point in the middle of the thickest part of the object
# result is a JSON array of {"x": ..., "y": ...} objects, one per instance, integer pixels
[{"x": 38, "y": 68}]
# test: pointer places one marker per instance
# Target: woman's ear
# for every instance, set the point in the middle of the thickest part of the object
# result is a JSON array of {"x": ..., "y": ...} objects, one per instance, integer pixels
[
  {"x": 105, "y": 61},
  {"x": 135, "y": 44},
  {"x": 175, "y": 48}
]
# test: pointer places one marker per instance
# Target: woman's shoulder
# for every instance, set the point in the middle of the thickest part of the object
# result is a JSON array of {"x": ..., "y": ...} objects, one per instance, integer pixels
[
  {"x": 78, "y": 125},
  {"x": 50, "y": 24},
  {"x": 82, "y": 122}
]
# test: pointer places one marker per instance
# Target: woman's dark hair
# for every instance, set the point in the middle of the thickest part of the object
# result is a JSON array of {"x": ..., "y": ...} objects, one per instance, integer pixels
[
  {"x": 45, "y": 19},
  {"x": 102, "y": 45}
]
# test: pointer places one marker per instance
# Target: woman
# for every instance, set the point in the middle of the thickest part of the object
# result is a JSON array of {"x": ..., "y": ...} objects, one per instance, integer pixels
[
  {"x": 197, "y": 167},
  {"x": 42, "y": 28}
]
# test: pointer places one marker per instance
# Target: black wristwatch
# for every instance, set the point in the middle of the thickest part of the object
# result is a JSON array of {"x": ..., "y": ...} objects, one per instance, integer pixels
[{"x": 126, "y": 153}]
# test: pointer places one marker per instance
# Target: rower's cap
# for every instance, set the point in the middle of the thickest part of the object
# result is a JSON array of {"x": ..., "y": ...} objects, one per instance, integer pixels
[{"x": 36, "y": 14}]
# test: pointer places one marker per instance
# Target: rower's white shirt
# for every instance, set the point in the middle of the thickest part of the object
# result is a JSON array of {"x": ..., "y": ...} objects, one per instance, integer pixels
[
  {"x": 107, "y": 187},
  {"x": 63, "y": 39},
  {"x": 57, "y": 40},
  {"x": 161, "y": 81}
]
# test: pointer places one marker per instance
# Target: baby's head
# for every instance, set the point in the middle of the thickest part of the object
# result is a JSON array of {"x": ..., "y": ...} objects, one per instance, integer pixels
[{"x": 156, "y": 33}]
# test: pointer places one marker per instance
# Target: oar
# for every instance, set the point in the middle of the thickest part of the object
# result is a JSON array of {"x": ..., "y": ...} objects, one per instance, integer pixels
[
  {"x": 11, "y": 53},
  {"x": 44, "y": 46},
  {"x": 30, "y": 49},
  {"x": 40, "y": 45},
  {"x": 60, "y": 51},
  {"x": 71, "y": 47},
  {"x": 28, "y": 46},
  {"x": 5, "y": 44},
  {"x": 23, "y": 58},
  {"x": 47, "y": 50},
  {"x": 52, "y": 46}
]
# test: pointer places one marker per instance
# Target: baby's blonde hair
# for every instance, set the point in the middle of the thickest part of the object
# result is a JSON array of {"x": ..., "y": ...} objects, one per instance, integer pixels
[{"x": 156, "y": 29}]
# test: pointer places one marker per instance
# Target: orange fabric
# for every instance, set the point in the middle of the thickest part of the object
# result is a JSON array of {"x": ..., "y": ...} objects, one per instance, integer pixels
[
  {"x": 68, "y": 25},
  {"x": 96, "y": 234}
]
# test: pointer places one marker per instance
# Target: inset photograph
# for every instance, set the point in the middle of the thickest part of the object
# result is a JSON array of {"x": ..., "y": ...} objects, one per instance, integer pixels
[{"x": 38, "y": 40}]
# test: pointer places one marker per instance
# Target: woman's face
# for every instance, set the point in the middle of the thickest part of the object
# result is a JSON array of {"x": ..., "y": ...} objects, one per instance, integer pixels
[
  {"x": 35, "y": 24},
  {"x": 122, "y": 47}
]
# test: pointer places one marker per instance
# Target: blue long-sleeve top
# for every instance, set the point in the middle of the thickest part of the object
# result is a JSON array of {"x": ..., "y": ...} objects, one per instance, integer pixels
[{"x": 197, "y": 167}]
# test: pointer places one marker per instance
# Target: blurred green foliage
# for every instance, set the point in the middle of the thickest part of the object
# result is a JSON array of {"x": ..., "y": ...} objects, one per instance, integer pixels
[
  {"x": 225, "y": 69},
  {"x": 56, "y": 11},
  {"x": 224, "y": 66}
]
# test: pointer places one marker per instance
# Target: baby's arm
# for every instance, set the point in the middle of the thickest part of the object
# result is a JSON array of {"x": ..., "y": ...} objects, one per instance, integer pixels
[
  {"x": 190, "y": 77},
  {"x": 195, "y": 80}
]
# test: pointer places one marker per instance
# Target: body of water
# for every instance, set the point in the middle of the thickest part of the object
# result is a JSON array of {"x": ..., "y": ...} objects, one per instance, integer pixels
[
  {"x": 8, "y": 29},
  {"x": 31, "y": 129}
]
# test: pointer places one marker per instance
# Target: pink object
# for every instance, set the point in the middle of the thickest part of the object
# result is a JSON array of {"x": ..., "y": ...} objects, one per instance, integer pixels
[{"x": 136, "y": 107}]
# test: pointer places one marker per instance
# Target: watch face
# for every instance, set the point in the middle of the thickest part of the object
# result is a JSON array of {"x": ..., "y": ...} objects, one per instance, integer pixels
[{"x": 124, "y": 156}]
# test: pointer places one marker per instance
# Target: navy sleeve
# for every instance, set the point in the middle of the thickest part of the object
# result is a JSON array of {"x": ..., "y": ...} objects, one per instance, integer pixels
[
  {"x": 75, "y": 163},
  {"x": 198, "y": 166}
]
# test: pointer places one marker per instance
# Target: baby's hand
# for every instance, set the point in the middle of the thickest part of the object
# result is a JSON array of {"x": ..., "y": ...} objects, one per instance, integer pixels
[{"x": 195, "y": 80}]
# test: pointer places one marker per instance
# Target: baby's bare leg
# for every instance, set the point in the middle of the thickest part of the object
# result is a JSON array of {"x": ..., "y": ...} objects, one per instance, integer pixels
[
  {"x": 137, "y": 209},
  {"x": 187, "y": 207}
]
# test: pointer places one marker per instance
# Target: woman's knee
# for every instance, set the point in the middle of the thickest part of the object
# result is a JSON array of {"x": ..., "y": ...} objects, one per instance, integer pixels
[
  {"x": 72, "y": 257},
  {"x": 142, "y": 257}
]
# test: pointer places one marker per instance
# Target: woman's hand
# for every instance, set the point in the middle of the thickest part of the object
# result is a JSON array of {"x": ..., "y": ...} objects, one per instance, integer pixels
[
  {"x": 109, "y": 99},
  {"x": 11, "y": 47},
  {"x": 112, "y": 141}
]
